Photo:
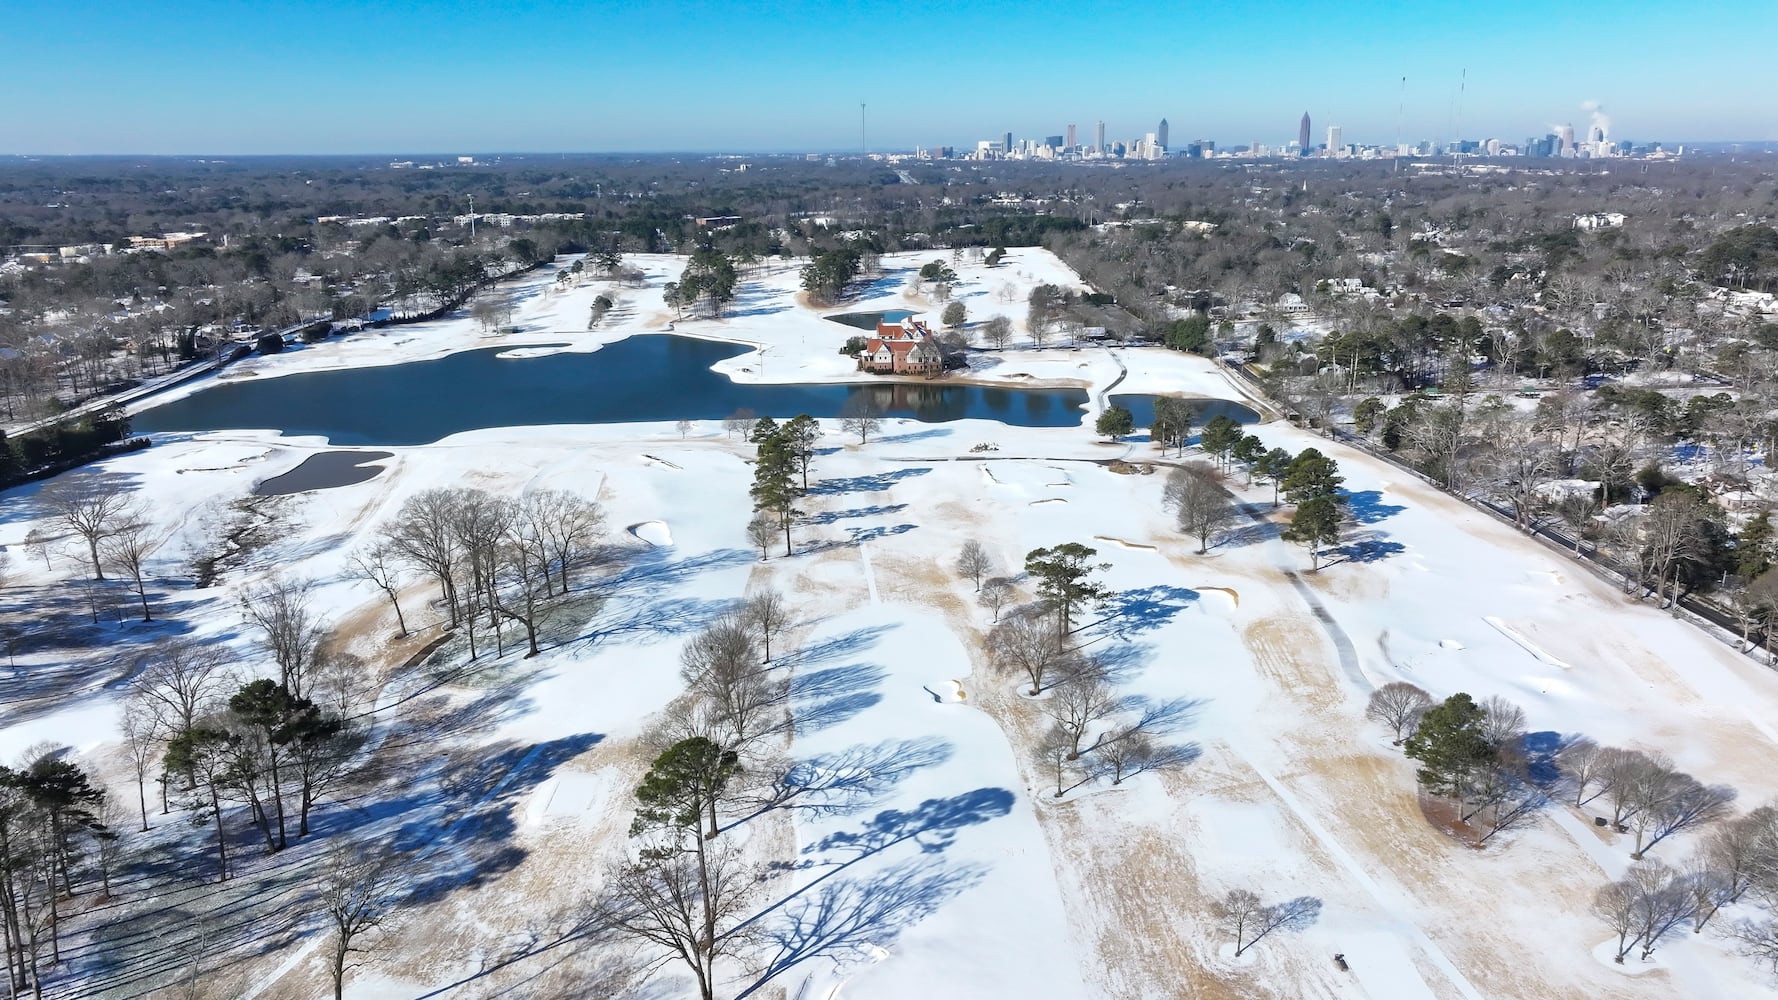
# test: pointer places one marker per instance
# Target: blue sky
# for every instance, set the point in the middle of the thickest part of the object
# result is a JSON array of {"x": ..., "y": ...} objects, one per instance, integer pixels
[{"x": 431, "y": 76}]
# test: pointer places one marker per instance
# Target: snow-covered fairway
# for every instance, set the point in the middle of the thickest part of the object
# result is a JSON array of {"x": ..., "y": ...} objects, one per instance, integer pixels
[{"x": 984, "y": 885}]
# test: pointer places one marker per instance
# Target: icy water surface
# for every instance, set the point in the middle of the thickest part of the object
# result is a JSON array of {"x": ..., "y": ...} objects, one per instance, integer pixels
[{"x": 646, "y": 378}]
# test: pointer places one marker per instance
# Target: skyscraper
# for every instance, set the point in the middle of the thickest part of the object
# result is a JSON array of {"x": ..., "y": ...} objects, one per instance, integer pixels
[
  {"x": 1160, "y": 134},
  {"x": 1070, "y": 142},
  {"x": 1006, "y": 143},
  {"x": 1099, "y": 138},
  {"x": 1333, "y": 140},
  {"x": 1302, "y": 136}
]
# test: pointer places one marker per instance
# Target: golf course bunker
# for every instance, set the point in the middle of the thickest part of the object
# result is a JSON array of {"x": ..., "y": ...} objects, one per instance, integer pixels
[
  {"x": 324, "y": 471},
  {"x": 655, "y": 533}
]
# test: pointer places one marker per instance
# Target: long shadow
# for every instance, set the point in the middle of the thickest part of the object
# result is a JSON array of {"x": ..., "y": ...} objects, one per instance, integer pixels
[
  {"x": 861, "y": 535},
  {"x": 1367, "y": 507},
  {"x": 866, "y": 484},
  {"x": 1133, "y": 612},
  {"x": 828, "y": 517},
  {"x": 839, "y": 646},
  {"x": 925, "y": 435},
  {"x": 848, "y": 780},
  {"x": 1364, "y": 550},
  {"x": 850, "y": 918},
  {"x": 829, "y": 697},
  {"x": 654, "y": 569}
]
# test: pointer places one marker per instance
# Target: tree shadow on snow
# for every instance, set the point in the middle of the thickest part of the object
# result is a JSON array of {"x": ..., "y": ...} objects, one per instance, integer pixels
[
  {"x": 1363, "y": 550},
  {"x": 1367, "y": 507},
  {"x": 866, "y": 484},
  {"x": 830, "y": 516}
]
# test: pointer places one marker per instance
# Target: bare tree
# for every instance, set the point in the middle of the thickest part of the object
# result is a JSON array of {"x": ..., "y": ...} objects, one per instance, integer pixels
[
  {"x": 566, "y": 524},
  {"x": 126, "y": 550},
  {"x": 1758, "y": 940},
  {"x": 973, "y": 562},
  {"x": 343, "y": 683},
  {"x": 182, "y": 681},
  {"x": 1399, "y": 706},
  {"x": 421, "y": 535},
  {"x": 1199, "y": 501},
  {"x": 762, "y": 532},
  {"x": 358, "y": 891},
  {"x": 1683, "y": 802},
  {"x": 767, "y": 613},
  {"x": 995, "y": 594},
  {"x": 740, "y": 422},
  {"x": 90, "y": 505},
  {"x": 281, "y": 609},
  {"x": 1616, "y": 904},
  {"x": 141, "y": 740},
  {"x": 1237, "y": 911},
  {"x": 1055, "y": 753},
  {"x": 721, "y": 667},
  {"x": 1077, "y": 704},
  {"x": 683, "y": 427},
  {"x": 1503, "y": 723},
  {"x": 1744, "y": 849},
  {"x": 691, "y": 906},
  {"x": 1663, "y": 902},
  {"x": 860, "y": 415},
  {"x": 380, "y": 564},
  {"x": 1241, "y": 912},
  {"x": 1025, "y": 644},
  {"x": 1583, "y": 764},
  {"x": 1711, "y": 889}
]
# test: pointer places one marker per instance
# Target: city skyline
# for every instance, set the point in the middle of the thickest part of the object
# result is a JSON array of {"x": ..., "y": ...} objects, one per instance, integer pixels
[{"x": 329, "y": 77}]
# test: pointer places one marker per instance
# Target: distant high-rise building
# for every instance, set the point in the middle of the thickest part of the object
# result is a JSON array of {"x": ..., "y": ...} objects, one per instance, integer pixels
[
  {"x": 1333, "y": 140},
  {"x": 1070, "y": 142},
  {"x": 1302, "y": 135},
  {"x": 1099, "y": 138},
  {"x": 1160, "y": 134},
  {"x": 1006, "y": 143},
  {"x": 1565, "y": 140}
]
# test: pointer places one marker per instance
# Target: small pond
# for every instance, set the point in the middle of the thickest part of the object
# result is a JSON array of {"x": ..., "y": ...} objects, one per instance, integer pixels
[
  {"x": 325, "y": 471},
  {"x": 645, "y": 378},
  {"x": 868, "y": 320},
  {"x": 1141, "y": 407}
]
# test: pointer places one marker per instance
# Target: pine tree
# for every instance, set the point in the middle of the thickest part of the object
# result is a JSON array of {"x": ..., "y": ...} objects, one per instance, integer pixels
[
  {"x": 1450, "y": 745},
  {"x": 1062, "y": 572},
  {"x": 774, "y": 482},
  {"x": 684, "y": 786},
  {"x": 1753, "y": 547}
]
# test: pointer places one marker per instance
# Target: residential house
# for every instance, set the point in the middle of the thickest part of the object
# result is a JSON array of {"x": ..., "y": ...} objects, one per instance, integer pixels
[{"x": 905, "y": 348}]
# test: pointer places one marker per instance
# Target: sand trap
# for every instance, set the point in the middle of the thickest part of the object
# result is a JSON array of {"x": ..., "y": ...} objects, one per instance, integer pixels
[
  {"x": 1450, "y": 644},
  {"x": 1232, "y": 593},
  {"x": 988, "y": 474},
  {"x": 659, "y": 461},
  {"x": 1114, "y": 541},
  {"x": 1036, "y": 503},
  {"x": 655, "y": 533}
]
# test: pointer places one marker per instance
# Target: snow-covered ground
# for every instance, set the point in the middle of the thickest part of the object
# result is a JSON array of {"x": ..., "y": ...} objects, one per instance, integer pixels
[{"x": 987, "y": 885}]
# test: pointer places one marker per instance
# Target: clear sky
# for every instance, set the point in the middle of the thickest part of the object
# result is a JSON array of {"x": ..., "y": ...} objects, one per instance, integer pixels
[{"x": 282, "y": 76}]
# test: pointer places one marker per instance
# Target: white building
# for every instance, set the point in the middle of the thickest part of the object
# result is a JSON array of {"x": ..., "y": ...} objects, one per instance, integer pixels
[
  {"x": 1333, "y": 141},
  {"x": 1599, "y": 220}
]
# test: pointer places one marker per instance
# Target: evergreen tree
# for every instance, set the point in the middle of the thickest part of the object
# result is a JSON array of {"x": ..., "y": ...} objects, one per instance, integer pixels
[
  {"x": 1273, "y": 465},
  {"x": 800, "y": 433},
  {"x": 1316, "y": 522},
  {"x": 1311, "y": 474},
  {"x": 1450, "y": 745},
  {"x": 1220, "y": 437},
  {"x": 1062, "y": 574},
  {"x": 774, "y": 482},
  {"x": 684, "y": 786},
  {"x": 1753, "y": 547},
  {"x": 1114, "y": 423}
]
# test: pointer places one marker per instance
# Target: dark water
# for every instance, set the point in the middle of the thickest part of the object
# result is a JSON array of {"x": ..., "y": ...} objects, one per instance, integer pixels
[
  {"x": 1141, "y": 407},
  {"x": 868, "y": 320},
  {"x": 648, "y": 378},
  {"x": 324, "y": 471}
]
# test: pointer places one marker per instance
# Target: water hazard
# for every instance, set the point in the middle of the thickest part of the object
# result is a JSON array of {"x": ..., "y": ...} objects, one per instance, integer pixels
[{"x": 640, "y": 379}]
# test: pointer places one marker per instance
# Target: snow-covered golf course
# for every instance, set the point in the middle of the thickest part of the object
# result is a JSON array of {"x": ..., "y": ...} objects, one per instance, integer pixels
[{"x": 965, "y": 876}]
